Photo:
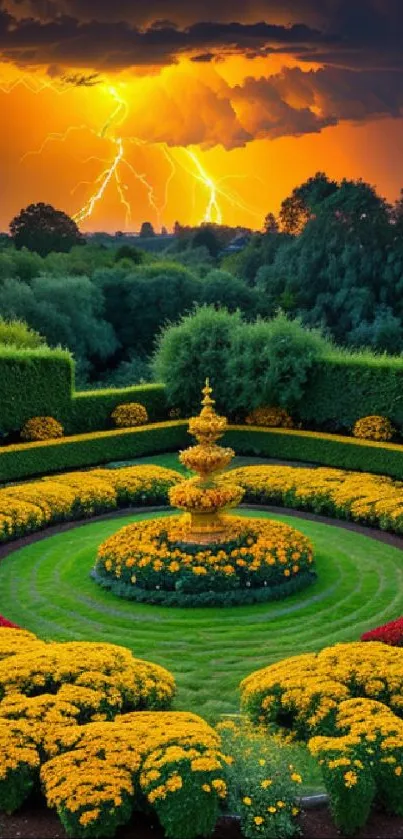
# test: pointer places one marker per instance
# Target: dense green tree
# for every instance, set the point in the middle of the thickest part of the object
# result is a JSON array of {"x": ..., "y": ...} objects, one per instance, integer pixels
[
  {"x": 147, "y": 230},
  {"x": 68, "y": 313},
  {"x": 304, "y": 202},
  {"x": 198, "y": 346},
  {"x": 42, "y": 228},
  {"x": 206, "y": 237}
]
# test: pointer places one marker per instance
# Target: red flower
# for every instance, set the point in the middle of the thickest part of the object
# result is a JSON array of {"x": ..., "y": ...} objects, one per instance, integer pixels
[
  {"x": 391, "y": 633},
  {"x": 7, "y": 623}
]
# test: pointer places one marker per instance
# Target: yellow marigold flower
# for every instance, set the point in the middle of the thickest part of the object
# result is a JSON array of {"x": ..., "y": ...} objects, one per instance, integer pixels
[
  {"x": 272, "y": 809},
  {"x": 350, "y": 779},
  {"x": 258, "y": 820},
  {"x": 247, "y": 800},
  {"x": 398, "y": 771}
]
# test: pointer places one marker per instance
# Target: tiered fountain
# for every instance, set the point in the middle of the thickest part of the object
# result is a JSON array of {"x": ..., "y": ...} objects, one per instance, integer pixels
[
  {"x": 204, "y": 497},
  {"x": 205, "y": 557}
]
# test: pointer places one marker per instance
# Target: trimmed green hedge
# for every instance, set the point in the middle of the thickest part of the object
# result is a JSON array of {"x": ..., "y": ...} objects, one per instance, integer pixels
[
  {"x": 314, "y": 447},
  {"x": 343, "y": 388},
  {"x": 91, "y": 410},
  {"x": 33, "y": 382},
  {"x": 30, "y": 459}
]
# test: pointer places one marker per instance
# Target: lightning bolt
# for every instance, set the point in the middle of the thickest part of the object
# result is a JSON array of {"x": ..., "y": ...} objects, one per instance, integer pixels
[{"x": 115, "y": 166}]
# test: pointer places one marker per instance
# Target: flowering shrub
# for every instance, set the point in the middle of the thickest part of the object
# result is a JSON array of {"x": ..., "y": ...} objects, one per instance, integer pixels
[
  {"x": 269, "y": 417},
  {"x": 374, "y": 428},
  {"x": 346, "y": 702},
  {"x": 391, "y": 633},
  {"x": 263, "y": 786},
  {"x": 77, "y": 714},
  {"x": 33, "y": 506},
  {"x": 172, "y": 759},
  {"x": 129, "y": 414},
  {"x": 369, "y": 499},
  {"x": 152, "y": 555},
  {"x": 41, "y": 428}
]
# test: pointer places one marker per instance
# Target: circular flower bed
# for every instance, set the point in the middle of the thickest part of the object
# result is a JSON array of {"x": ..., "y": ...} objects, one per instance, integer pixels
[{"x": 151, "y": 562}]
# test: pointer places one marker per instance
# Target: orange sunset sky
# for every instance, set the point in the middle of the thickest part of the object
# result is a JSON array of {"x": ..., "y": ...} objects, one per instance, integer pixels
[{"x": 118, "y": 115}]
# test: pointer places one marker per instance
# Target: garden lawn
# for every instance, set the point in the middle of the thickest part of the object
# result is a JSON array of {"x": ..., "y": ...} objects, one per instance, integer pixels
[{"x": 46, "y": 587}]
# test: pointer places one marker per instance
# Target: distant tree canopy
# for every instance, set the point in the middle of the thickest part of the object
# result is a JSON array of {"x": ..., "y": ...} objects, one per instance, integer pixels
[
  {"x": 147, "y": 230},
  {"x": 41, "y": 228}
]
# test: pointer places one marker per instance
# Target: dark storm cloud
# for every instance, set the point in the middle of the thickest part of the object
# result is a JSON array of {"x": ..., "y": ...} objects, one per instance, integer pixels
[
  {"x": 357, "y": 42},
  {"x": 118, "y": 44}
]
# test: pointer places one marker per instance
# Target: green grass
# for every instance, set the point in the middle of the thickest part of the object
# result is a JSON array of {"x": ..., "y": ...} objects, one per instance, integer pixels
[{"x": 45, "y": 587}]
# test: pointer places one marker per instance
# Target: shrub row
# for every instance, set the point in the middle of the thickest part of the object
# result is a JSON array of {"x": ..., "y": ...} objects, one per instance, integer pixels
[
  {"x": 316, "y": 447},
  {"x": 26, "y": 460},
  {"x": 29, "y": 459},
  {"x": 33, "y": 382},
  {"x": 40, "y": 382}
]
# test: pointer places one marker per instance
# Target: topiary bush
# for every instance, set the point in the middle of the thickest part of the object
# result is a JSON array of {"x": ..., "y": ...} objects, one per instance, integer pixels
[
  {"x": 374, "y": 428},
  {"x": 129, "y": 415},
  {"x": 38, "y": 429},
  {"x": 270, "y": 417}
]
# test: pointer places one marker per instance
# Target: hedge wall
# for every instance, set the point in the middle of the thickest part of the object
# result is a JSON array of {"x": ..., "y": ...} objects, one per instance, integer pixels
[
  {"x": 313, "y": 447},
  {"x": 343, "y": 388},
  {"x": 33, "y": 382},
  {"x": 30, "y": 459},
  {"x": 91, "y": 410}
]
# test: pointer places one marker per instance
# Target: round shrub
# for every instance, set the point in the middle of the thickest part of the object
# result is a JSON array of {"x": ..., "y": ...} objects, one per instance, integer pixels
[
  {"x": 270, "y": 417},
  {"x": 38, "y": 429},
  {"x": 374, "y": 428},
  {"x": 129, "y": 414}
]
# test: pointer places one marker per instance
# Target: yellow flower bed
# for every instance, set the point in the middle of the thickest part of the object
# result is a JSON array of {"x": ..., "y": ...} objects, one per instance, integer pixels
[
  {"x": 375, "y": 428},
  {"x": 40, "y": 429},
  {"x": 362, "y": 497},
  {"x": 346, "y": 702},
  {"x": 31, "y": 506},
  {"x": 153, "y": 555},
  {"x": 79, "y": 710}
]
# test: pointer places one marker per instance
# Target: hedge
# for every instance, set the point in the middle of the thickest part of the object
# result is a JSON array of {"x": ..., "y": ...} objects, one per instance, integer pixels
[
  {"x": 343, "y": 388},
  {"x": 91, "y": 410},
  {"x": 315, "y": 447},
  {"x": 33, "y": 382},
  {"x": 30, "y": 459}
]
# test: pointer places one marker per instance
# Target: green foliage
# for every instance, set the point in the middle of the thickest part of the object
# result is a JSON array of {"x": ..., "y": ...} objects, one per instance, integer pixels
[
  {"x": 262, "y": 363},
  {"x": 27, "y": 460},
  {"x": 269, "y": 363},
  {"x": 324, "y": 449},
  {"x": 33, "y": 382},
  {"x": 41, "y": 228},
  {"x": 343, "y": 387},
  {"x": 91, "y": 410},
  {"x": 17, "y": 333},
  {"x": 263, "y": 786},
  {"x": 199, "y": 345},
  {"x": 66, "y": 311}
]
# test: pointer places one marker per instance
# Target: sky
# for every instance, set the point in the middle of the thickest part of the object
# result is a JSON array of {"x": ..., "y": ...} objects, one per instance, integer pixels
[{"x": 123, "y": 112}]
